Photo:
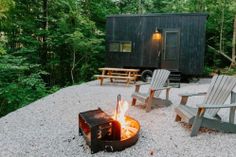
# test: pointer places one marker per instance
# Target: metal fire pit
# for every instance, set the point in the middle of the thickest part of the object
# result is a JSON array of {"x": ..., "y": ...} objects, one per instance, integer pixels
[
  {"x": 118, "y": 145},
  {"x": 102, "y": 132}
]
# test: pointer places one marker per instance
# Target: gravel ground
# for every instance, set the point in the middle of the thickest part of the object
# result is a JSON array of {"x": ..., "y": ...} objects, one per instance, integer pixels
[{"x": 48, "y": 127}]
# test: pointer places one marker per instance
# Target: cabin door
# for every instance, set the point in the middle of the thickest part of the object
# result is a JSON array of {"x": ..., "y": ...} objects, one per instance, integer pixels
[{"x": 170, "y": 50}]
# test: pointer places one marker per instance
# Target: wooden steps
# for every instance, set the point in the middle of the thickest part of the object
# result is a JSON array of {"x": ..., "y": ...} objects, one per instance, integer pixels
[{"x": 175, "y": 78}]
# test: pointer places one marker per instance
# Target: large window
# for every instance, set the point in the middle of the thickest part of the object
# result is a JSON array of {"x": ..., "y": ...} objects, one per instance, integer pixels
[{"x": 121, "y": 46}]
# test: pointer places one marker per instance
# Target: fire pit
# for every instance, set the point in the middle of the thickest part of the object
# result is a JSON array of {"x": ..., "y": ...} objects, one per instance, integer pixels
[{"x": 109, "y": 133}]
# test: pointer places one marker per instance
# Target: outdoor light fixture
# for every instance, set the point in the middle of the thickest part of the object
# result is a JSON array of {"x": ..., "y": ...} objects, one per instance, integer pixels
[{"x": 157, "y": 34}]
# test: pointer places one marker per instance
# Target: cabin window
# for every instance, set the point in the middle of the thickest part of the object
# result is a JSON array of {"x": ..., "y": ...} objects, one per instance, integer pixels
[
  {"x": 122, "y": 46},
  {"x": 114, "y": 47},
  {"x": 126, "y": 46}
]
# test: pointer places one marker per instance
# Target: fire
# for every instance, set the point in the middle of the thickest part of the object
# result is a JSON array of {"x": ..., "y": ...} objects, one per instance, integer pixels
[
  {"x": 128, "y": 127},
  {"x": 120, "y": 114}
]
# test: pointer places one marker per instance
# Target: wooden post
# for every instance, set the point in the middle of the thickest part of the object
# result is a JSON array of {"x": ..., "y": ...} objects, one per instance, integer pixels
[
  {"x": 128, "y": 80},
  {"x": 110, "y": 73},
  {"x": 101, "y": 81},
  {"x": 103, "y": 72}
]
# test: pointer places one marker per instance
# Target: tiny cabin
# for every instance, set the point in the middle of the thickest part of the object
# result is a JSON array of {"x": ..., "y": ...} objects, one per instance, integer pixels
[{"x": 168, "y": 41}]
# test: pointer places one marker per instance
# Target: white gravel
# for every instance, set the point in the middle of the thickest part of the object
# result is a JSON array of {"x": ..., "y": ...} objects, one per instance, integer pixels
[{"x": 48, "y": 127}]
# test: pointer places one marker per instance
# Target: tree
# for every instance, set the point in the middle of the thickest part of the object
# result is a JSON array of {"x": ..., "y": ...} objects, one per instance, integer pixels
[
  {"x": 220, "y": 28},
  {"x": 5, "y": 5},
  {"x": 20, "y": 83},
  {"x": 97, "y": 10},
  {"x": 233, "y": 64}
]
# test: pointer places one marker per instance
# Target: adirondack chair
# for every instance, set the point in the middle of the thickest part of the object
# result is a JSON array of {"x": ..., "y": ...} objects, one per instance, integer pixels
[
  {"x": 205, "y": 114},
  {"x": 158, "y": 80}
]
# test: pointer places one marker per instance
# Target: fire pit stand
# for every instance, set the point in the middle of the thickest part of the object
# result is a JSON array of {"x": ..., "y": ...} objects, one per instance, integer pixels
[{"x": 102, "y": 132}]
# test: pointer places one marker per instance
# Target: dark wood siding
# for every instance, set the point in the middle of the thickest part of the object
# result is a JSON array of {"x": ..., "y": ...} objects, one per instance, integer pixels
[{"x": 139, "y": 30}]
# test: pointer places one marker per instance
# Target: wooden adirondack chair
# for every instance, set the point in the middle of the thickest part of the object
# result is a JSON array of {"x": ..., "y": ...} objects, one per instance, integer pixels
[
  {"x": 205, "y": 115},
  {"x": 158, "y": 80}
]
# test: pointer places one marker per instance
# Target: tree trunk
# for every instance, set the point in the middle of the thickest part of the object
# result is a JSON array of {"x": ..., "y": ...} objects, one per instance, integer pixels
[
  {"x": 44, "y": 47},
  {"x": 72, "y": 69},
  {"x": 44, "y": 37},
  {"x": 222, "y": 27},
  {"x": 140, "y": 8},
  {"x": 233, "y": 64},
  {"x": 220, "y": 52}
]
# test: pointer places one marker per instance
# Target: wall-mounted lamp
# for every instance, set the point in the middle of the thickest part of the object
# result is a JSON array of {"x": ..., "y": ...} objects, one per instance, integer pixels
[{"x": 157, "y": 34}]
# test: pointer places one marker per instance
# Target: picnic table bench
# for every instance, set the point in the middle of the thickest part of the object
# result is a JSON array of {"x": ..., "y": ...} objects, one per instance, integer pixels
[{"x": 117, "y": 73}]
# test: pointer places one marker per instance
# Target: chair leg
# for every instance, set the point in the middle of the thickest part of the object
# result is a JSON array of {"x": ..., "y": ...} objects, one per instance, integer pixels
[
  {"x": 196, "y": 126},
  {"x": 177, "y": 118},
  {"x": 134, "y": 101},
  {"x": 148, "y": 104},
  {"x": 184, "y": 100},
  {"x": 232, "y": 115},
  {"x": 148, "y": 107},
  {"x": 167, "y": 93},
  {"x": 197, "y": 122}
]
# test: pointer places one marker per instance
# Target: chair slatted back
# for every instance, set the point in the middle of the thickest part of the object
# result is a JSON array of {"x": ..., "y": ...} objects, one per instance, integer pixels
[
  {"x": 218, "y": 91},
  {"x": 159, "y": 79}
]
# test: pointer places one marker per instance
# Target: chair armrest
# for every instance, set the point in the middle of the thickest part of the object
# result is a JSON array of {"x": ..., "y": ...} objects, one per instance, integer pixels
[
  {"x": 138, "y": 84},
  {"x": 231, "y": 106},
  {"x": 184, "y": 96},
  {"x": 163, "y": 88},
  {"x": 141, "y": 83},
  {"x": 193, "y": 94},
  {"x": 208, "y": 106}
]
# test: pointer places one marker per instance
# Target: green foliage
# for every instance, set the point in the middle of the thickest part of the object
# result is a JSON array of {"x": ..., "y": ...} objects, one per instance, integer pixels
[
  {"x": 2, "y": 44},
  {"x": 75, "y": 33},
  {"x": 2, "y": 50},
  {"x": 5, "y": 5},
  {"x": 20, "y": 83},
  {"x": 229, "y": 71},
  {"x": 97, "y": 10},
  {"x": 207, "y": 71},
  {"x": 215, "y": 10}
]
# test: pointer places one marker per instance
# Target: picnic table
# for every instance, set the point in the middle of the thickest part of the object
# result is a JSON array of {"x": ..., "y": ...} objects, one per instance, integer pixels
[{"x": 117, "y": 74}]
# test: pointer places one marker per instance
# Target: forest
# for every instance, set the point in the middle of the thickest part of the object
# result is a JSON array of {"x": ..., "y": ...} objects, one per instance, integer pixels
[{"x": 49, "y": 44}]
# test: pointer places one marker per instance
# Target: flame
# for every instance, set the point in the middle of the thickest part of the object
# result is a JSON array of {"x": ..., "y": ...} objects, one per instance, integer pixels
[
  {"x": 123, "y": 107},
  {"x": 127, "y": 128}
]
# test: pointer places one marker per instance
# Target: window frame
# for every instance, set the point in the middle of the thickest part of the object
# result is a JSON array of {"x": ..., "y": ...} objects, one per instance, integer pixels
[{"x": 121, "y": 47}]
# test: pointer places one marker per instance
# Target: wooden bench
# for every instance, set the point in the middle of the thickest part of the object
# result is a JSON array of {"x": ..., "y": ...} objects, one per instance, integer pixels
[{"x": 117, "y": 73}]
